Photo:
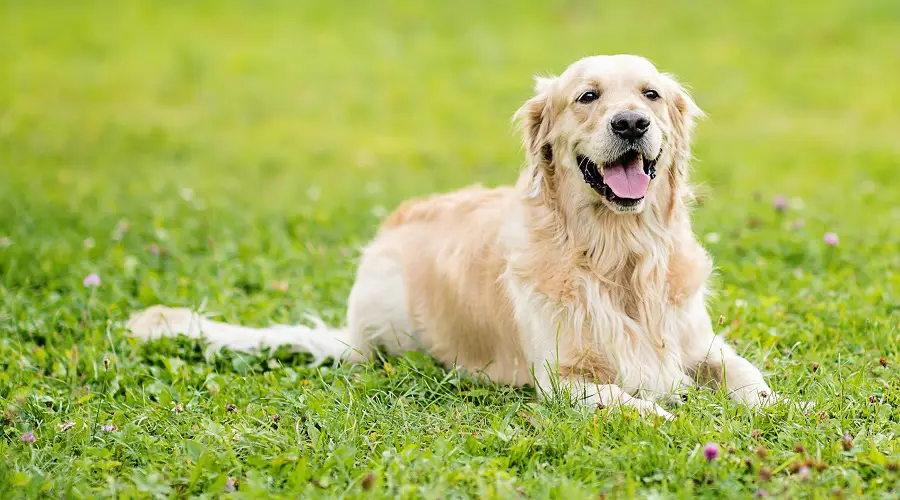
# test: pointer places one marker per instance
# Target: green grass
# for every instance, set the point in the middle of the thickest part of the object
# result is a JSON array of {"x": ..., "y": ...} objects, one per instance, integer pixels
[{"x": 255, "y": 142}]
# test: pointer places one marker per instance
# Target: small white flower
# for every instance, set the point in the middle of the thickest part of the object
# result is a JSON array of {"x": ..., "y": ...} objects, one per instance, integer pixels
[
  {"x": 122, "y": 227},
  {"x": 5, "y": 242},
  {"x": 130, "y": 264},
  {"x": 89, "y": 243},
  {"x": 187, "y": 194},
  {"x": 712, "y": 237},
  {"x": 373, "y": 188},
  {"x": 379, "y": 211},
  {"x": 740, "y": 303},
  {"x": 364, "y": 159}
]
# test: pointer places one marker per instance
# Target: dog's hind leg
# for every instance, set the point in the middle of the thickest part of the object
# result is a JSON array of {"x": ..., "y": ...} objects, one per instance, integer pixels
[{"x": 378, "y": 307}]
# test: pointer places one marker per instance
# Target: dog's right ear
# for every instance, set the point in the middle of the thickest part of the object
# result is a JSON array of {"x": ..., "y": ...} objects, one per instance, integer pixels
[{"x": 534, "y": 118}]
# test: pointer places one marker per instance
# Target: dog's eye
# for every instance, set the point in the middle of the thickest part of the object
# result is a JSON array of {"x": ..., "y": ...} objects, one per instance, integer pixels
[
  {"x": 589, "y": 96},
  {"x": 651, "y": 94}
]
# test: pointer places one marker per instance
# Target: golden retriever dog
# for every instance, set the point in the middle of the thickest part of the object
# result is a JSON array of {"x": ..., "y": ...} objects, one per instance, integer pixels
[{"x": 584, "y": 279}]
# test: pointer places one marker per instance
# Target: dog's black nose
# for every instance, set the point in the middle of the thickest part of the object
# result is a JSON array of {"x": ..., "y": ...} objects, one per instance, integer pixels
[{"x": 630, "y": 125}]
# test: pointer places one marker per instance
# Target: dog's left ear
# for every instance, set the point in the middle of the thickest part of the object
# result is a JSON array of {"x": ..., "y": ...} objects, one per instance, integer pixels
[{"x": 534, "y": 117}]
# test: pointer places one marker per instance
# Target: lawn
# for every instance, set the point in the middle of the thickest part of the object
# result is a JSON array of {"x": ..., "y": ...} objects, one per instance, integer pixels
[{"x": 236, "y": 156}]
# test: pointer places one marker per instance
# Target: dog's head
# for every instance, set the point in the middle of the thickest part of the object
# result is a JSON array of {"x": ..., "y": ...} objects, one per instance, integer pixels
[{"x": 610, "y": 128}]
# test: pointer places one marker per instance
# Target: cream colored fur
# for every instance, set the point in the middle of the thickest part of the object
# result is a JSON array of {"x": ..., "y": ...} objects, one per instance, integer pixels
[{"x": 546, "y": 282}]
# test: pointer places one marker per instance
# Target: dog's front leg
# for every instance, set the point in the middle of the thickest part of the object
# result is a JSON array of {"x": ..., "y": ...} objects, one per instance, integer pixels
[
  {"x": 741, "y": 379},
  {"x": 712, "y": 360},
  {"x": 551, "y": 383},
  {"x": 559, "y": 366}
]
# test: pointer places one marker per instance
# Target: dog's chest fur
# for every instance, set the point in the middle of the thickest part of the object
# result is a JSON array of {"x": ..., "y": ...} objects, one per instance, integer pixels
[{"x": 617, "y": 306}]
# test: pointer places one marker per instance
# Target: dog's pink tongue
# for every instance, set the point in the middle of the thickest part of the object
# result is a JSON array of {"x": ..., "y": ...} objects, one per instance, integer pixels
[{"x": 627, "y": 180}]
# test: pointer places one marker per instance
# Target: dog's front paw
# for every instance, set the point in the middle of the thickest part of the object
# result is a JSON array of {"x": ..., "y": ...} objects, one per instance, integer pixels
[
  {"x": 756, "y": 397},
  {"x": 644, "y": 408},
  {"x": 648, "y": 409}
]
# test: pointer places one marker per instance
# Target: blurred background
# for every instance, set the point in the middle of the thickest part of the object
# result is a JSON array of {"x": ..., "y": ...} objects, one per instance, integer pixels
[
  {"x": 285, "y": 129},
  {"x": 236, "y": 154}
]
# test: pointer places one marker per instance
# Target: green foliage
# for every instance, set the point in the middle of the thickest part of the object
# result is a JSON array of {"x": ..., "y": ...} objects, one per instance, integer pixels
[{"x": 208, "y": 153}]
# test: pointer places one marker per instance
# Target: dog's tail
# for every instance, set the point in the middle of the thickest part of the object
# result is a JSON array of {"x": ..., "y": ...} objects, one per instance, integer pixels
[{"x": 321, "y": 341}]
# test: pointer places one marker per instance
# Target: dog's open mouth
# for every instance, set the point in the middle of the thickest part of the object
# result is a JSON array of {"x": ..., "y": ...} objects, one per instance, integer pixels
[{"x": 624, "y": 181}]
